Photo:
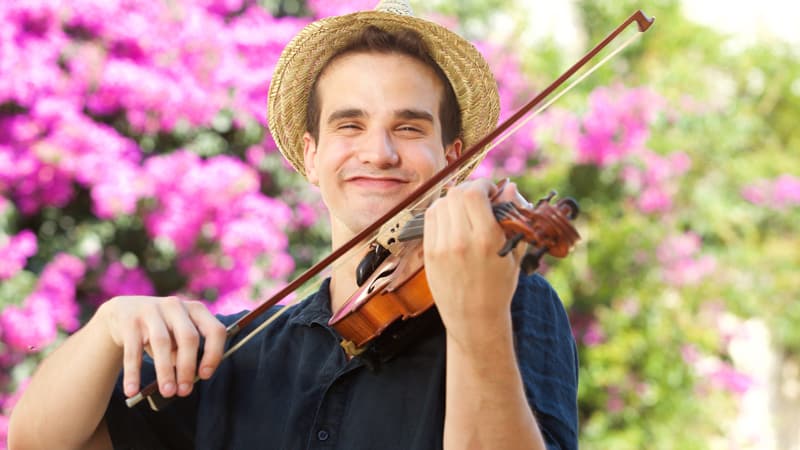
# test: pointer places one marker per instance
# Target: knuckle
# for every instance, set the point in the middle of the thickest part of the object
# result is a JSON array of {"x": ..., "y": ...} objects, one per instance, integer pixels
[
  {"x": 217, "y": 329},
  {"x": 151, "y": 308},
  {"x": 474, "y": 195},
  {"x": 194, "y": 305},
  {"x": 171, "y": 302},
  {"x": 188, "y": 336},
  {"x": 160, "y": 339},
  {"x": 485, "y": 244}
]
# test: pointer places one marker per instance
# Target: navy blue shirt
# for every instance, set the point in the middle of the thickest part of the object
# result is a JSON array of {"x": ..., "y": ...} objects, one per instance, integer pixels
[{"x": 293, "y": 388}]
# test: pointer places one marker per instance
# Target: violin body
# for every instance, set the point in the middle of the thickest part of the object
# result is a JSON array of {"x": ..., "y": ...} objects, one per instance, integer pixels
[{"x": 397, "y": 289}]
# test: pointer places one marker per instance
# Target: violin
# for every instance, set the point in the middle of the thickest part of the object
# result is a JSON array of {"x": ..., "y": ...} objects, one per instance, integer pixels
[{"x": 393, "y": 286}]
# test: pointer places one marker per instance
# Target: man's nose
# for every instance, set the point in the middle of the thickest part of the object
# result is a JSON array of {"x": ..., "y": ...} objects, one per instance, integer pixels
[{"x": 379, "y": 150}]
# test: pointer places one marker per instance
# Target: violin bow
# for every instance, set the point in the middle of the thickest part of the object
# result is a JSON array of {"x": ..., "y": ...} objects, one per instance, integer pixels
[{"x": 505, "y": 129}]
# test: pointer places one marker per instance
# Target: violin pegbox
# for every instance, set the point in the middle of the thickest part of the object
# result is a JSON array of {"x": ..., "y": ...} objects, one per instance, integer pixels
[{"x": 545, "y": 226}]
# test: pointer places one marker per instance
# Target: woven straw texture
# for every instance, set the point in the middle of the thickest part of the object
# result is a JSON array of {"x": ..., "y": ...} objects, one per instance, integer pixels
[{"x": 304, "y": 57}]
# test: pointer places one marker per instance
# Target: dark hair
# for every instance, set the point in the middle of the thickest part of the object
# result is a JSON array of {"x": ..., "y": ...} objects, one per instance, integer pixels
[{"x": 404, "y": 42}]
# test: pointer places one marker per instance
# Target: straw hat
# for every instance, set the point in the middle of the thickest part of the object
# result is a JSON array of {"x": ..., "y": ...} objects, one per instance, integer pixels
[{"x": 309, "y": 51}]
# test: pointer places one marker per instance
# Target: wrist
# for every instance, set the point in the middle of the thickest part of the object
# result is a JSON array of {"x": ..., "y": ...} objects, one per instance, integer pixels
[
  {"x": 483, "y": 337},
  {"x": 101, "y": 329}
]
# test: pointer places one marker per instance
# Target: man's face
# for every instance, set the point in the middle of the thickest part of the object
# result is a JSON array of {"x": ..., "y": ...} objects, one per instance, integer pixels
[{"x": 379, "y": 136}]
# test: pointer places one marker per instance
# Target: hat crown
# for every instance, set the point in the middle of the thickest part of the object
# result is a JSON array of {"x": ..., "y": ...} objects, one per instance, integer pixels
[{"x": 401, "y": 7}]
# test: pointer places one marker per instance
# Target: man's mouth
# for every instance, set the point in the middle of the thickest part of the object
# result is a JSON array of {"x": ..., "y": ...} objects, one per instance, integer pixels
[{"x": 376, "y": 182}]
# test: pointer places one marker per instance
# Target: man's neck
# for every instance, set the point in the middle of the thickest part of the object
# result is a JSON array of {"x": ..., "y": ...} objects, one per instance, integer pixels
[
  {"x": 343, "y": 285},
  {"x": 343, "y": 276}
]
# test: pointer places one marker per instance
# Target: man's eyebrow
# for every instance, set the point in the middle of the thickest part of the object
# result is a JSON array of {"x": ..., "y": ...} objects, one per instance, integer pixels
[
  {"x": 412, "y": 114},
  {"x": 349, "y": 113}
]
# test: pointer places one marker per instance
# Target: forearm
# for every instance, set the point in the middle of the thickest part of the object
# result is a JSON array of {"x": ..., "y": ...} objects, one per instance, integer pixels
[
  {"x": 68, "y": 395},
  {"x": 485, "y": 404}
]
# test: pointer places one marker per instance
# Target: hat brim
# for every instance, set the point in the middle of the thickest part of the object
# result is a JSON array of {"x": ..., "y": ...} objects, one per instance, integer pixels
[{"x": 305, "y": 56}]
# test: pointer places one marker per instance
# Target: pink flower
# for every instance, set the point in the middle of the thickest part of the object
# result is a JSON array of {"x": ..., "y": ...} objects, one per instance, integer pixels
[
  {"x": 281, "y": 265},
  {"x": 690, "y": 354},
  {"x": 233, "y": 302},
  {"x": 681, "y": 262},
  {"x": 28, "y": 329},
  {"x": 514, "y": 155},
  {"x": 306, "y": 215},
  {"x": 653, "y": 200},
  {"x": 615, "y": 403},
  {"x": 786, "y": 190},
  {"x": 15, "y": 251},
  {"x": 728, "y": 378},
  {"x": 222, "y": 7},
  {"x": 617, "y": 124},
  {"x": 327, "y": 8},
  {"x": 757, "y": 193},
  {"x": 593, "y": 335},
  {"x": 780, "y": 193},
  {"x": 55, "y": 290},
  {"x": 51, "y": 303},
  {"x": 4, "y": 422},
  {"x": 655, "y": 178},
  {"x": 34, "y": 325},
  {"x": 119, "y": 191},
  {"x": 120, "y": 280}
]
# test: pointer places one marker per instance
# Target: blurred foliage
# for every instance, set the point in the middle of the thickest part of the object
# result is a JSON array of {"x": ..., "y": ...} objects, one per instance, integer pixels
[{"x": 733, "y": 109}]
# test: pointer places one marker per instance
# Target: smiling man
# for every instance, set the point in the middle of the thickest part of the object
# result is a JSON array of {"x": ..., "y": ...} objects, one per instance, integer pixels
[{"x": 367, "y": 107}]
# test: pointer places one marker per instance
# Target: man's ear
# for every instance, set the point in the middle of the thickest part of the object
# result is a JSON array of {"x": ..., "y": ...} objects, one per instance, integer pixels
[
  {"x": 309, "y": 158},
  {"x": 453, "y": 151}
]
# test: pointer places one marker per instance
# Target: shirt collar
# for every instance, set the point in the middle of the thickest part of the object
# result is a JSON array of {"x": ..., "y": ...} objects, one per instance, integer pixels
[{"x": 316, "y": 308}]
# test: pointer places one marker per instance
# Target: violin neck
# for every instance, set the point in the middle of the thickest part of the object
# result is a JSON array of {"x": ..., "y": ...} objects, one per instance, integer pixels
[{"x": 414, "y": 227}]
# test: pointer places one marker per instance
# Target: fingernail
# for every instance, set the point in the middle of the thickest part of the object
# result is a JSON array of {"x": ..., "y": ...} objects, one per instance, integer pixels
[
  {"x": 184, "y": 388},
  {"x": 206, "y": 372},
  {"x": 168, "y": 388}
]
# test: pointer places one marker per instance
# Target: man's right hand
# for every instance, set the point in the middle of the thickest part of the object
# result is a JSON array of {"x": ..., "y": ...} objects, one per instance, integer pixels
[{"x": 169, "y": 330}]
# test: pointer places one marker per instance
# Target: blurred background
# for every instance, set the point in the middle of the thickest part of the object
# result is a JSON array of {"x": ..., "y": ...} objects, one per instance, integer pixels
[{"x": 135, "y": 159}]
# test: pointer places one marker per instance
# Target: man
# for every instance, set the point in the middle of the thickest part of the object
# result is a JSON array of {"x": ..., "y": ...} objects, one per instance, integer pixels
[{"x": 383, "y": 97}]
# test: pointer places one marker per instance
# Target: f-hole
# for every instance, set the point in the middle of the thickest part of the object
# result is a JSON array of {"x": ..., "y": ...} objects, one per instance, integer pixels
[{"x": 382, "y": 275}]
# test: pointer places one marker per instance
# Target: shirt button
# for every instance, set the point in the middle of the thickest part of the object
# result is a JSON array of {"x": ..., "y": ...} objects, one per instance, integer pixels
[{"x": 322, "y": 435}]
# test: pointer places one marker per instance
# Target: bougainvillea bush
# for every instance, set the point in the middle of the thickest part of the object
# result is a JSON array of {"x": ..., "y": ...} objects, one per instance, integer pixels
[{"x": 135, "y": 159}]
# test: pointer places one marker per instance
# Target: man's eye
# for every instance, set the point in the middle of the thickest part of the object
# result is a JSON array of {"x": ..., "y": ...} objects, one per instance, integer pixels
[{"x": 409, "y": 128}]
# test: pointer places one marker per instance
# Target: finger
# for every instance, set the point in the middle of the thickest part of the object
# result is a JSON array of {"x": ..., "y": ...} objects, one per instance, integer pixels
[
  {"x": 187, "y": 341},
  {"x": 161, "y": 345},
  {"x": 437, "y": 238},
  {"x": 477, "y": 210},
  {"x": 214, "y": 333},
  {"x": 456, "y": 225},
  {"x": 131, "y": 359},
  {"x": 511, "y": 194}
]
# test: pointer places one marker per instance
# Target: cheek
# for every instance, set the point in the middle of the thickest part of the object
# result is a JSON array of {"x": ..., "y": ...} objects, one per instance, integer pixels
[{"x": 431, "y": 160}]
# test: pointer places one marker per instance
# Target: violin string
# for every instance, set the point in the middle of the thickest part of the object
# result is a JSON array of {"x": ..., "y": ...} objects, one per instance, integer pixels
[{"x": 501, "y": 211}]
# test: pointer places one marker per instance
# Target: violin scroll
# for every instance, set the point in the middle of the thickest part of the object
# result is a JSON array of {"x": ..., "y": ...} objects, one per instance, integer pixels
[{"x": 546, "y": 227}]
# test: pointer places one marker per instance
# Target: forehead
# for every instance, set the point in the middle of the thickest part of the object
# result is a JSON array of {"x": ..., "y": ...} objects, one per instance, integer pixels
[{"x": 381, "y": 76}]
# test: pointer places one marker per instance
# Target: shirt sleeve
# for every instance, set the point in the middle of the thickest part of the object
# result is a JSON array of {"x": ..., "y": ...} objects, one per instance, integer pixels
[
  {"x": 142, "y": 428},
  {"x": 548, "y": 360},
  {"x": 139, "y": 427}
]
